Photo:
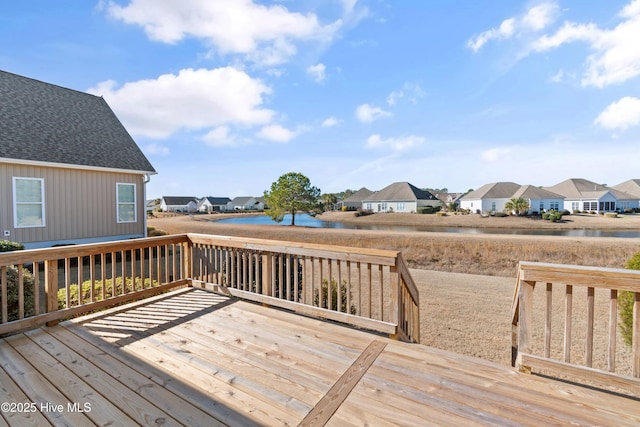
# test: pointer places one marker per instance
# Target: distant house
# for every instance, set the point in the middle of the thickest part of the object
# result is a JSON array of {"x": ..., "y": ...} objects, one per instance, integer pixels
[
  {"x": 71, "y": 173},
  {"x": 261, "y": 204},
  {"x": 354, "y": 201},
  {"x": 400, "y": 197},
  {"x": 245, "y": 203},
  {"x": 449, "y": 198},
  {"x": 494, "y": 196},
  {"x": 631, "y": 187},
  {"x": 213, "y": 204},
  {"x": 584, "y": 195},
  {"x": 178, "y": 204}
]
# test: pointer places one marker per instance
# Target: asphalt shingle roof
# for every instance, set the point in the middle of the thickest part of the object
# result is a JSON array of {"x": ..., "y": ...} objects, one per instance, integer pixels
[
  {"x": 401, "y": 191},
  {"x": 47, "y": 123}
]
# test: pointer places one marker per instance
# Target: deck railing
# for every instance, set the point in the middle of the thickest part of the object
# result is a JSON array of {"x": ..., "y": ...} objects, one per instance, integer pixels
[
  {"x": 366, "y": 288},
  {"x": 547, "y": 339}
]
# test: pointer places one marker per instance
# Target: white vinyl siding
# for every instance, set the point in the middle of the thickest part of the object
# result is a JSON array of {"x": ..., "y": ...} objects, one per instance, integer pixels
[
  {"x": 28, "y": 202},
  {"x": 126, "y": 202}
]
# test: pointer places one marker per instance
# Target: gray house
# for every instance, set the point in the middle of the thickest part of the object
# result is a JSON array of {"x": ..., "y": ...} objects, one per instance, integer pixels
[
  {"x": 70, "y": 172},
  {"x": 631, "y": 187},
  {"x": 400, "y": 197}
]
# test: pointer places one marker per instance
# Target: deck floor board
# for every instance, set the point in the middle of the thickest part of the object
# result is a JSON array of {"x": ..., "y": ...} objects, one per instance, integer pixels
[{"x": 195, "y": 358}]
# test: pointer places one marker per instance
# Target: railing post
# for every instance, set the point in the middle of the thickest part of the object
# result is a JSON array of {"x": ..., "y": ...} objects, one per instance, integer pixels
[
  {"x": 187, "y": 266},
  {"x": 396, "y": 300},
  {"x": 635, "y": 339},
  {"x": 525, "y": 321},
  {"x": 51, "y": 286},
  {"x": 267, "y": 274}
]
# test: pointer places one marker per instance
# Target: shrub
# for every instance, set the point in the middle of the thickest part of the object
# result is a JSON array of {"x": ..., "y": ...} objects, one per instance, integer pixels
[
  {"x": 323, "y": 301},
  {"x": 7, "y": 246},
  {"x": 577, "y": 211},
  {"x": 565, "y": 212},
  {"x": 12, "y": 293},
  {"x": 552, "y": 216},
  {"x": 441, "y": 214},
  {"x": 611, "y": 215},
  {"x": 625, "y": 304},
  {"x": 425, "y": 210},
  {"x": 97, "y": 290},
  {"x": 500, "y": 214},
  {"x": 152, "y": 232}
]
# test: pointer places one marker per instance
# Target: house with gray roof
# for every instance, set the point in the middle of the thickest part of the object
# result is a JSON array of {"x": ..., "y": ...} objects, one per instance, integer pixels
[
  {"x": 588, "y": 196},
  {"x": 71, "y": 173},
  {"x": 213, "y": 204},
  {"x": 400, "y": 197},
  {"x": 178, "y": 204},
  {"x": 246, "y": 203},
  {"x": 631, "y": 187},
  {"x": 354, "y": 201},
  {"x": 494, "y": 196}
]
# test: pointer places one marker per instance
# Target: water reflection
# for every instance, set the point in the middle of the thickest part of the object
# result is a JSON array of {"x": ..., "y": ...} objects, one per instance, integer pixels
[{"x": 306, "y": 220}]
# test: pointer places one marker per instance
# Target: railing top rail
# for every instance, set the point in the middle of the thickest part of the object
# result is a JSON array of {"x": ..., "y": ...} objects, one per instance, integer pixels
[
  {"x": 377, "y": 256},
  {"x": 29, "y": 255},
  {"x": 598, "y": 277}
]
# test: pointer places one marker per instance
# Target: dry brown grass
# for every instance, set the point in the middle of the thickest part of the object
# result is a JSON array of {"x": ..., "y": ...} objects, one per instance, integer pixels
[{"x": 493, "y": 255}]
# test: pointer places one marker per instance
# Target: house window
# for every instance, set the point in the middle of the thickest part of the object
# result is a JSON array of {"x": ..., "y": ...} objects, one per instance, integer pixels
[
  {"x": 590, "y": 206},
  {"x": 126, "y": 201},
  {"x": 493, "y": 206},
  {"x": 555, "y": 206},
  {"x": 401, "y": 207},
  {"x": 541, "y": 206},
  {"x": 575, "y": 206},
  {"x": 28, "y": 202}
]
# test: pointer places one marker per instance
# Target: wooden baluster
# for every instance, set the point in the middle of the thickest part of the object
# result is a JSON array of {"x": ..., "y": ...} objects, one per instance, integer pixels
[
  {"x": 613, "y": 330},
  {"x": 547, "y": 323},
  {"x": 568, "y": 303},
  {"x": 590, "y": 316},
  {"x": 51, "y": 287}
]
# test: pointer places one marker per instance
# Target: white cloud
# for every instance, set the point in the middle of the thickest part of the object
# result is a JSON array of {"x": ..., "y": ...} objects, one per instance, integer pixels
[
  {"x": 499, "y": 154},
  {"x": 620, "y": 115},
  {"x": 317, "y": 72},
  {"x": 191, "y": 100},
  {"x": 410, "y": 91},
  {"x": 220, "y": 137},
  {"x": 156, "y": 149},
  {"x": 395, "y": 144},
  {"x": 263, "y": 33},
  {"x": 276, "y": 133},
  {"x": 331, "y": 122},
  {"x": 367, "y": 113},
  {"x": 535, "y": 19},
  {"x": 615, "y": 58}
]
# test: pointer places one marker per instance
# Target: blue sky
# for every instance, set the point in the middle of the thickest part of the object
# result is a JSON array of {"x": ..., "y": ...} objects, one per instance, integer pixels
[{"x": 224, "y": 96}]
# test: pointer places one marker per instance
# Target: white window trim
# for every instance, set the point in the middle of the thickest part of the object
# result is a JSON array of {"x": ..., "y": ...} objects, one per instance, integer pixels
[
  {"x": 135, "y": 205},
  {"x": 15, "y": 202}
]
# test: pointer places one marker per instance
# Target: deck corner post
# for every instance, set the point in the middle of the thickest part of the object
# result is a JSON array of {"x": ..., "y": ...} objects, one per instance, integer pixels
[
  {"x": 51, "y": 287},
  {"x": 267, "y": 274}
]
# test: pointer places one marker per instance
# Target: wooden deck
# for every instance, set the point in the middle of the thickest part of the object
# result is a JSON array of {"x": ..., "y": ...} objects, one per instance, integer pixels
[{"x": 196, "y": 358}]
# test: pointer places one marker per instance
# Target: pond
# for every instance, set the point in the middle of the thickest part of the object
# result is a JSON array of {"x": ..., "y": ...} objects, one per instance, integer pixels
[{"x": 306, "y": 220}]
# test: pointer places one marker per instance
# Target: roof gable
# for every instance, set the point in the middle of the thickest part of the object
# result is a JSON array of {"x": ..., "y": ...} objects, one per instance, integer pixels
[
  {"x": 494, "y": 190},
  {"x": 631, "y": 187},
  {"x": 178, "y": 200},
  {"x": 531, "y": 192},
  {"x": 401, "y": 191},
  {"x": 578, "y": 188},
  {"x": 41, "y": 122},
  {"x": 359, "y": 195}
]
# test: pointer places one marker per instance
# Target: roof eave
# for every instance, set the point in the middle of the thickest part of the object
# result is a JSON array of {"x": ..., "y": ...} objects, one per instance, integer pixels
[{"x": 73, "y": 166}]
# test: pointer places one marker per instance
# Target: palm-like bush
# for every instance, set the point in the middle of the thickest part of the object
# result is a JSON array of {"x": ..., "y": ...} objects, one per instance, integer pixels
[{"x": 517, "y": 205}]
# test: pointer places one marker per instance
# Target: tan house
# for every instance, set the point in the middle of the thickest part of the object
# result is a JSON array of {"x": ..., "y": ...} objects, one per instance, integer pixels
[
  {"x": 70, "y": 172},
  {"x": 588, "y": 196}
]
